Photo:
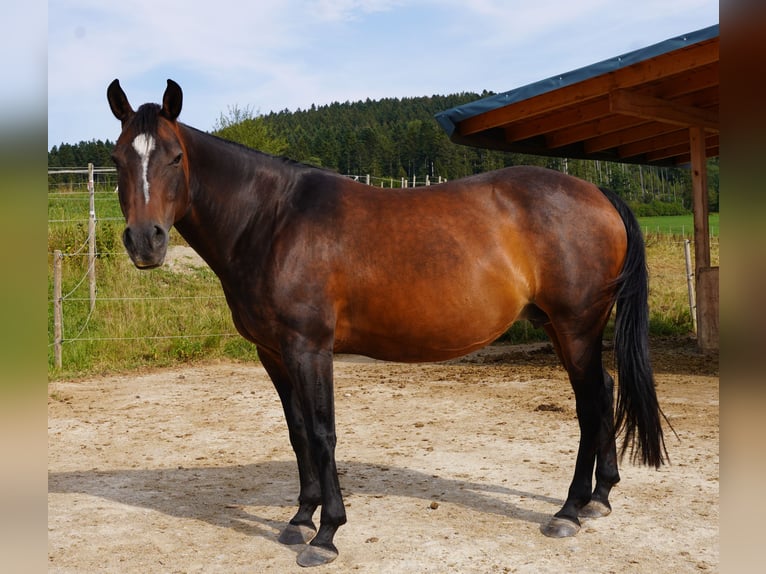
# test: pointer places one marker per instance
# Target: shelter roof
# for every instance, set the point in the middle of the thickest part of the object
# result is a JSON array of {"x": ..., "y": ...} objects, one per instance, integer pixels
[{"x": 633, "y": 108}]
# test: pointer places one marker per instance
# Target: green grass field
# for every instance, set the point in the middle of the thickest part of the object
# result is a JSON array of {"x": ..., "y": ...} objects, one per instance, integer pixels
[
  {"x": 678, "y": 225},
  {"x": 160, "y": 318}
]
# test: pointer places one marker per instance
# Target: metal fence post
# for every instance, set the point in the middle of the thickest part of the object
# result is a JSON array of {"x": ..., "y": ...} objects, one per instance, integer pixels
[
  {"x": 92, "y": 238},
  {"x": 690, "y": 284}
]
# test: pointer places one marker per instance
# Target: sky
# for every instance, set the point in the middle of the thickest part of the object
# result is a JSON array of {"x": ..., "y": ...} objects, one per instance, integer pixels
[{"x": 272, "y": 55}]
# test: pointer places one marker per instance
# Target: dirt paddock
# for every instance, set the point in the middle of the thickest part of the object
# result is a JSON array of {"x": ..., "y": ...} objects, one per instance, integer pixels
[{"x": 448, "y": 467}]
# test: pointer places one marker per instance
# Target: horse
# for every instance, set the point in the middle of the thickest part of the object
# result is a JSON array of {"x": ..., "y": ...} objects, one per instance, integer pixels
[{"x": 313, "y": 264}]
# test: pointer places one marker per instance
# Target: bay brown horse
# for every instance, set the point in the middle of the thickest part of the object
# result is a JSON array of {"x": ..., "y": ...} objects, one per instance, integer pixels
[{"x": 313, "y": 264}]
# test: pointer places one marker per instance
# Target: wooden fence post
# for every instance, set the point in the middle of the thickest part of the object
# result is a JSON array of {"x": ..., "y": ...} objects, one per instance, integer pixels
[
  {"x": 58, "y": 316},
  {"x": 92, "y": 238}
]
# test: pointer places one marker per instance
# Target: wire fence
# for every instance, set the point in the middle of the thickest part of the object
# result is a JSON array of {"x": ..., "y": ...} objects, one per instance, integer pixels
[
  {"x": 74, "y": 259},
  {"x": 84, "y": 223}
]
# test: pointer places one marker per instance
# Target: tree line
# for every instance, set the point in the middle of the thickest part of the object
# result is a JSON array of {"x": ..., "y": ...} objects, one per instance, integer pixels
[{"x": 398, "y": 138}]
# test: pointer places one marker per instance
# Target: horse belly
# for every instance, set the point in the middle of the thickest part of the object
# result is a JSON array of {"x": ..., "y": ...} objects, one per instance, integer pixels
[
  {"x": 429, "y": 277},
  {"x": 420, "y": 325}
]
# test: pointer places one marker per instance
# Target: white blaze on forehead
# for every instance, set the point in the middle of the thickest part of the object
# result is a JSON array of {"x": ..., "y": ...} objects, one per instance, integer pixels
[{"x": 144, "y": 145}]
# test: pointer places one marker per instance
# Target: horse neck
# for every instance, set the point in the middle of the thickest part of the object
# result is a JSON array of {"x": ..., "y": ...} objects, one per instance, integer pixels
[{"x": 234, "y": 194}]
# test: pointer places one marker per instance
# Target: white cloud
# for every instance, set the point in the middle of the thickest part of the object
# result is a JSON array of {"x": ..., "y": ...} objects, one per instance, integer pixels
[
  {"x": 347, "y": 10},
  {"x": 277, "y": 54}
]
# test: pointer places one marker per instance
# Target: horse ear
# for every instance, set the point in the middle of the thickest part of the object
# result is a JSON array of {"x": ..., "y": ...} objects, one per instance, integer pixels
[
  {"x": 118, "y": 101},
  {"x": 172, "y": 101}
]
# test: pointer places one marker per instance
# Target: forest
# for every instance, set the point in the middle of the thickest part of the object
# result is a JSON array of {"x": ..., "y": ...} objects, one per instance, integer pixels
[{"x": 396, "y": 139}]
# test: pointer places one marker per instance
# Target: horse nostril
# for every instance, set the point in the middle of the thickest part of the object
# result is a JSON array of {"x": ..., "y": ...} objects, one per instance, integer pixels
[
  {"x": 127, "y": 238},
  {"x": 158, "y": 239},
  {"x": 152, "y": 238}
]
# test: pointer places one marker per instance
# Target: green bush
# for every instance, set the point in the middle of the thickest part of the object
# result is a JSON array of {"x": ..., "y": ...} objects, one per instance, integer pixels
[{"x": 657, "y": 208}]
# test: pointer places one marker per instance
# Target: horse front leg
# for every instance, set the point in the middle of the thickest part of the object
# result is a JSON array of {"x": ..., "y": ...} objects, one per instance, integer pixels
[
  {"x": 311, "y": 371},
  {"x": 301, "y": 528}
]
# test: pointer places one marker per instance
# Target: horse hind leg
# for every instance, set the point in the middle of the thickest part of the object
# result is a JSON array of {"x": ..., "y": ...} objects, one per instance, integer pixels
[
  {"x": 593, "y": 389},
  {"x": 607, "y": 473}
]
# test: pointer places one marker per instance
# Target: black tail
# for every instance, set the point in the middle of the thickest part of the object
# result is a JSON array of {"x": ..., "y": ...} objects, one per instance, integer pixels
[{"x": 638, "y": 412}]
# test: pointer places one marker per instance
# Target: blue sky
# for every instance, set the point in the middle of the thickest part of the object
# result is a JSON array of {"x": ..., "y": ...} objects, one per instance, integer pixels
[{"x": 271, "y": 55}]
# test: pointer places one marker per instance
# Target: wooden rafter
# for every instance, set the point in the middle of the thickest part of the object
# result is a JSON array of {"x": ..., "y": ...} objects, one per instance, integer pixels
[{"x": 618, "y": 114}]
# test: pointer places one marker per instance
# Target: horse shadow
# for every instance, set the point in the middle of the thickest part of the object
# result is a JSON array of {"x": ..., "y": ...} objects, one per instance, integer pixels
[{"x": 221, "y": 496}]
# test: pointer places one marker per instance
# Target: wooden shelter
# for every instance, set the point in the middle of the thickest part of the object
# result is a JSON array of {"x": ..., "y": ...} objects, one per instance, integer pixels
[{"x": 653, "y": 106}]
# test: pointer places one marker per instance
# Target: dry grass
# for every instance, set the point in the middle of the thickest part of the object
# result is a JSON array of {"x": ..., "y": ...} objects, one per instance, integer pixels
[
  {"x": 164, "y": 317},
  {"x": 668, "y": 292}
]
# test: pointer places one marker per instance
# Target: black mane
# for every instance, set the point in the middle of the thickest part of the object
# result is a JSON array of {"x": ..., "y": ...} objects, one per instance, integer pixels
[{"x": 145, "y": 119}]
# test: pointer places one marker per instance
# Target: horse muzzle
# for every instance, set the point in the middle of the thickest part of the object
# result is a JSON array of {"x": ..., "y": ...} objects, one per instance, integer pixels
[{"x": 146, "y": 245}]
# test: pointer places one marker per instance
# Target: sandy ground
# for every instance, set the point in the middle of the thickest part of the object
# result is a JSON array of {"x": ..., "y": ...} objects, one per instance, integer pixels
[{"x": 449, "y": 467}]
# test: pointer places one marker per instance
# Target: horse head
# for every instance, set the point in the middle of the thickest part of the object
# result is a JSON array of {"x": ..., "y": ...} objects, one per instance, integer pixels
[{"x": 152, "y": 172}]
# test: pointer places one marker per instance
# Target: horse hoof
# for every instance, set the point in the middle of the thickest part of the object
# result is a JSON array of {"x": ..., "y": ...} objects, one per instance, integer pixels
[
  {"x": 594, "y": 509},
  {"x": 297, "y": 534},
  {"x": 560, "y": 528},
  {"x": 316, "y": 556}
]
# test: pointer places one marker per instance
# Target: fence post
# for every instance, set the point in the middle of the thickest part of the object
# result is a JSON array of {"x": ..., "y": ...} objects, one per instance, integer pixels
[
  {"x": 690, "y": 284},
  {"x": 58, "y": 317},
  {"x": 92, "y": 238}
]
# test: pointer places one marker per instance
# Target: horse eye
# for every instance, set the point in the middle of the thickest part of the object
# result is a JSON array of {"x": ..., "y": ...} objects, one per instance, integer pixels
[{"x": 177, "y": 159}]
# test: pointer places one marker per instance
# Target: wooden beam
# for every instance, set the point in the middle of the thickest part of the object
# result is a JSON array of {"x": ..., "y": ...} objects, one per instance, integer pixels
[
  {"x": 693, "y": 80},
  {"x": 681, "y": 151},
  {"x": 699, "y": 197},
  {"x": 646, "y": 71},
  {"x": 608, "y": 127},
  {"x": 668, "y": 139},
  {"x": 657, "y": 109},
  {"x": 579, "y": 114},
  {"x": 640, "y": 131}
]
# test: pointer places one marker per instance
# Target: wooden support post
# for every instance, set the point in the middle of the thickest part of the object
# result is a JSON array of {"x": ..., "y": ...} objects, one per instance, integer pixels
[
  {"x": 706, "y": 278},
  {"x": 699, "y": 197},
  {"x": 58, "y": 314},
  {"x": 708, "y": 305}
]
